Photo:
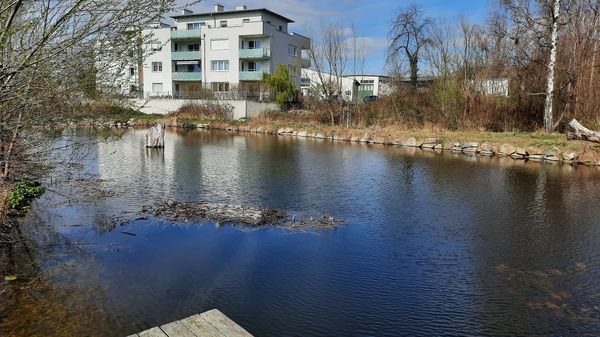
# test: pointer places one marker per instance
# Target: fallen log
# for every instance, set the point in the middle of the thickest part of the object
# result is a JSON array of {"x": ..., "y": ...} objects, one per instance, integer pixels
[{"x": 576, "y": 131}]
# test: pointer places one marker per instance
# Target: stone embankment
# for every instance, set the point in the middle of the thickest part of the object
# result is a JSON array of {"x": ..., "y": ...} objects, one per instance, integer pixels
[{"x": 590, "y": 156}]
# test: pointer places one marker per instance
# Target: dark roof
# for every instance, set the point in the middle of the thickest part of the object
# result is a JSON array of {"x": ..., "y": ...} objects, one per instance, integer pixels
[{"x": 264, "y": 10}]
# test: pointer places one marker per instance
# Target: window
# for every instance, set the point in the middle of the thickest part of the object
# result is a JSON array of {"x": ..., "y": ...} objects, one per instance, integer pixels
[
  {"x": 280, "y": 27},
  {"x": 253, "y": 44},
  {"x": 292, "y": 50},
  {"x": 157, "y": 87},
  {"x": 175, "y": 47},
  {"x": 220, "y": 65},
  {"x": 251, "y": 66},
  {"x": 194, "y": 47},
  {"x": 223, "y": 23},
  {"x": 220, "y": 86},
  {"x": 156, "y": 46},
  {"x": 219, "y": 44},
  {"x": 304, "y": 81},
  {"x": 246, "y": 20},
  {"x": 132, "y": 71},
  {"x": 157, "y": 66},
  {"x": 194, "y": 25}
]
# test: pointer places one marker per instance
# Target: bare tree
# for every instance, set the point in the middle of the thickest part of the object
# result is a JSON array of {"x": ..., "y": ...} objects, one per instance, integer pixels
[
  {"x": 48, "y": 50},
  {"x": 409, "y": 34},
  {"x": 329, "y": 57}
]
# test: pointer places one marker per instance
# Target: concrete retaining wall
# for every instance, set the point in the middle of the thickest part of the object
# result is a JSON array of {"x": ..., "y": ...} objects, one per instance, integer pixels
[{"x": 163, "y": 106}]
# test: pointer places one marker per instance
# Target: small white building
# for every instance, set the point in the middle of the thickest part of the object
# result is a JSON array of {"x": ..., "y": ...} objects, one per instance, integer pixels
[
  {"x": 353, "y": 87},
  {"x": 227, "y": 52}
]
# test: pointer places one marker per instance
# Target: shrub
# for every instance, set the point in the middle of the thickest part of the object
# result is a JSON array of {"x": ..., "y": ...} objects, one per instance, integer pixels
[{"x": 22, "y": 194}]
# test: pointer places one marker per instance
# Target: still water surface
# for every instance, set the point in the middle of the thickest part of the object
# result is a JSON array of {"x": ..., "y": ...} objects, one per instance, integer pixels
[{"x": 431, "y": 245}]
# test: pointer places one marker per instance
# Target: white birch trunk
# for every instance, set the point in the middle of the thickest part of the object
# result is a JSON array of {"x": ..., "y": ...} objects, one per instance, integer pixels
[{"x": 548, "y": 120}]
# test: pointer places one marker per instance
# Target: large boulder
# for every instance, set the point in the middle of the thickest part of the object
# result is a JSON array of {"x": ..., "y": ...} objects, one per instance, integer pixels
[
  {"x": 407, "y": 141},
  {"x": 485, "y": 149},
  {"x": 470, "y": 146},
  {"x": 552, "y": 154},
  {"x": 155, "y": 137},
  {"x": 506, "y": 150},
  {"x": 430, "y": 143},
  {"x": 589, "y": 156}
]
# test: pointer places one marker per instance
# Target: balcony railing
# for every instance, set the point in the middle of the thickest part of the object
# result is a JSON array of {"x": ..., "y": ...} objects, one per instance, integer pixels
[
  {"x": 258, "y": 53},
  {"x": 251, "y": 75},
  {"x": 186, "y": 55},
  {"x": 187, "y": 76},
  {"x": 186, "y": 34}
]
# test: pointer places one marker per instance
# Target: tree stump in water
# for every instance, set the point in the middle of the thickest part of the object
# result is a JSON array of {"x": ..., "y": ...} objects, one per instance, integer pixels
[
  {"x": 155, "y": 137},
  {"x": 576, "y": 131}
]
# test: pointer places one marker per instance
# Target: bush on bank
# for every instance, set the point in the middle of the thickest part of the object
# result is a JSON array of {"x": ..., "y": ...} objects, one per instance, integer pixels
[{"x": 22, "y": 194}]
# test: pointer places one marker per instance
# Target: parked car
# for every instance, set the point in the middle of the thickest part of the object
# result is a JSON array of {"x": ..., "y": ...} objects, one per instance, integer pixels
[{"x": 369, "y": 99}]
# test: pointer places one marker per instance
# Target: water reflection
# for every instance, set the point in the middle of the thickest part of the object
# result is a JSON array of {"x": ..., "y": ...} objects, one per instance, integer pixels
[{"x": 434, "y": 243}]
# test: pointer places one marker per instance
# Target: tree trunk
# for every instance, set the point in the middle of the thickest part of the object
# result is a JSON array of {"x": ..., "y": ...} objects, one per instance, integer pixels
[
  {"x": 155, "y": 137},
  {"x": 576, "y": 131},
  {"x": 548, "y": 120}
]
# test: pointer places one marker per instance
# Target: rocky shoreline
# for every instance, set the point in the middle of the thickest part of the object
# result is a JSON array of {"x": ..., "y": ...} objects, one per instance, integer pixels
[{"x": 589, "y": 156}]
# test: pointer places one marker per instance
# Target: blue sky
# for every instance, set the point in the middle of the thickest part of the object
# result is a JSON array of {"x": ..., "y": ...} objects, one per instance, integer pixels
[{"x": 371, "y": 18}]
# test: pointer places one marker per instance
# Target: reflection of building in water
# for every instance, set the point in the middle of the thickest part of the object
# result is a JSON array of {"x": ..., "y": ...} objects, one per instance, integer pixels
[{"x": 193, "y": 165}]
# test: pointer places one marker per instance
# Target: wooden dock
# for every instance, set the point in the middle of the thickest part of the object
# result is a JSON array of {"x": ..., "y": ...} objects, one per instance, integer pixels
[{"x": 212, "y": 323}]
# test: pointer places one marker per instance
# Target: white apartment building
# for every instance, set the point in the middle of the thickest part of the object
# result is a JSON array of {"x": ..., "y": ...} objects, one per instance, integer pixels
[
  {"x": 353, "y": 87},
  {"x": 227, "y": 52}
]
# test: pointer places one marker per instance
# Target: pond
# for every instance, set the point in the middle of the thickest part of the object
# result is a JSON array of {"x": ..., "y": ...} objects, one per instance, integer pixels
[{"x": 430, "y": 244}]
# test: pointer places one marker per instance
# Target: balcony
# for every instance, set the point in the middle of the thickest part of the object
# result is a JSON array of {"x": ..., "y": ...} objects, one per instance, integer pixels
[
  {"x": 186, "y": 55},
  {"x": 186, "y": 34},
  {"x": 187, "y": 76},
  {"x": 305, "y": 62},
  {"x": 258, "y": 53},
  {"x": 251, "y": 75}
]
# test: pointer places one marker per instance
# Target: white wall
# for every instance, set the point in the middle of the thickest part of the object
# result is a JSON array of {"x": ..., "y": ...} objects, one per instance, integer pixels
[{"x": 241, "y": 108}]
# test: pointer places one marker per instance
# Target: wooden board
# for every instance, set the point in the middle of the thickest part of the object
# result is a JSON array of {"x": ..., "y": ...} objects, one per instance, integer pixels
[{"x": 212, "y": 323}]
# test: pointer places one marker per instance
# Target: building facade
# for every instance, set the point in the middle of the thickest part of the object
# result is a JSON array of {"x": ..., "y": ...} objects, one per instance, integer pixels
[
  {"x": 352, "y": 87},
  {"x": 226, "y": 52}
]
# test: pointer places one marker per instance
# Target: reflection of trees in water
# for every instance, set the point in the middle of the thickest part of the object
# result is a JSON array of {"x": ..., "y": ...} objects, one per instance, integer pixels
[{"x": 57, "y": 292}]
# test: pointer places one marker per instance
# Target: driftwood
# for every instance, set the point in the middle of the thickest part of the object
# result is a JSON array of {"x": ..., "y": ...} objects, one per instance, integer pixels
[
  {"x": 155, "y": 137},
  {"x": 576, "y": 131}
]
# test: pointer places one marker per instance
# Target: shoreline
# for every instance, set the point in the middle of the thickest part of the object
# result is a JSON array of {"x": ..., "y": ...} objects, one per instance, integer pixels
[{"x": 518, "y": 145}]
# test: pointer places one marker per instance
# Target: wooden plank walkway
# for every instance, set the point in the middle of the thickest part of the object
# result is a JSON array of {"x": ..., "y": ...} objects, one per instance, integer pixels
[{"x": 212, "y": 323}]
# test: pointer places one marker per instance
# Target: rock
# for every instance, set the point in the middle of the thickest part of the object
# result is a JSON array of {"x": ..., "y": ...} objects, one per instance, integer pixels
[
  {"x": 302, "y": 134},
  {"x": 366, "y": 138},
  {"x": 536, "y": 157},
  {"x": 354, "y": 139},
  {"x": 202, "y": 126},
  {"x": 486, "y": 153},
  {"x": 438, "y": 147},
  {"x": 407, "y": 141},
  {"x": 289, "y": 130},
  {"x": 506, "y": 150},
  {"x": 552, "y": 154},
  {"x": 470, "y": 145},
  {"x": 485, "y": 147},
  {"x": 517, "y": 156},
  {"x": 569, "y": 156},
  {"x": 521, "y": 151},
  {"x": 339, "y": 138},
  {"x": 280, "y": 131},
  {"x": 534, "y": 151},
  {"x": 155, "y": 137},
  {"x": 377, "y": 140},
  {"x": 430, "y": 143},
  {"x": 589, "y": 156}
]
